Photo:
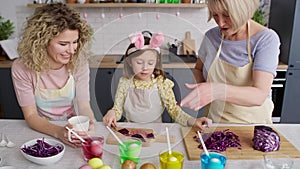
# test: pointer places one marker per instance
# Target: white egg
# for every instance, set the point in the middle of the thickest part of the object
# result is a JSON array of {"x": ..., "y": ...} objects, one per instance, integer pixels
[
  {"x": 96, "y": 142},
  {"x": 133, "y": 145},
  {"x": 215, "y": 160},
  {"x": 172, "y": 159}
]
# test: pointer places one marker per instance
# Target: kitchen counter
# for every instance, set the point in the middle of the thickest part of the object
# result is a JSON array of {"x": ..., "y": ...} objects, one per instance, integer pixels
[
  {"x": 73, "y": 156},
  {"x": 109, "y": 61}
]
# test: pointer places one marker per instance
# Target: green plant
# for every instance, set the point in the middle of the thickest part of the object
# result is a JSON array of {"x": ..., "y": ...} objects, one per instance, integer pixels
[
  {"x": 6, "y": 28},
  {"x": 259, "y": 16}
]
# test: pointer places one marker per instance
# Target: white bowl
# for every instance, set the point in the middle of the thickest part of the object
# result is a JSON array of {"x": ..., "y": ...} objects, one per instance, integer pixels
[
  {"x": 8, "y": 167},
  {"x": 44, "y": 160}
]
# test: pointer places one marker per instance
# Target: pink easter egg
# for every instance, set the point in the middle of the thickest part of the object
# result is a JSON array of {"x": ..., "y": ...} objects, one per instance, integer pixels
[
  {"x": 85, "y": 15},
  {"x": 85, "y": 166},
  {"x": 121, "y": 15}
]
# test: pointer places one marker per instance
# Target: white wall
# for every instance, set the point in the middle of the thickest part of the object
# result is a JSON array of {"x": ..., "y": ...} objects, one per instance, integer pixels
[{"x": 111, "y": 31}]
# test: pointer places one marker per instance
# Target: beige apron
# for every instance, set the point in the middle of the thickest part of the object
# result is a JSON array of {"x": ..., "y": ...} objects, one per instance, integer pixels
[
  {"x": 49, "y": 100},
  {"x": 143, "y": 105},
  {"x": 224, "y": 112}
]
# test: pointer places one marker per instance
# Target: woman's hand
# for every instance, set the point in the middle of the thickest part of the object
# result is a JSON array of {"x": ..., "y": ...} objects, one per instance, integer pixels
[
  {"x": 62, "y": 135},
  {"x": 200, "y": 122},
  {"x": 110, "y": 118},
  {"x": 75, "y": 141},
  {"x": 92, "y": 124},
  {"x": 202, "y": 94}
]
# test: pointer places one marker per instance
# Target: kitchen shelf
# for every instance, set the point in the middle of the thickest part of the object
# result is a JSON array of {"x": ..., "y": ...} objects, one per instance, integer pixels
[{"x": 127, "y": 5}]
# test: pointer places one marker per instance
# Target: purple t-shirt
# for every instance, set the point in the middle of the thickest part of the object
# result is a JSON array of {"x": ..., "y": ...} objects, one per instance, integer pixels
[{"x": 264, "y": 50}]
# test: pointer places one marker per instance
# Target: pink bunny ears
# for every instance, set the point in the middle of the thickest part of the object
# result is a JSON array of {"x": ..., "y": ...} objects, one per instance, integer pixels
[{"x": 138, "y": 39}]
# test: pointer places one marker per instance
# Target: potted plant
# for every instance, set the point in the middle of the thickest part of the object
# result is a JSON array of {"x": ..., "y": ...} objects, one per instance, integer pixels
[
  {"x": 259, "y": 16},
  {"x": 6, "y": 30}
]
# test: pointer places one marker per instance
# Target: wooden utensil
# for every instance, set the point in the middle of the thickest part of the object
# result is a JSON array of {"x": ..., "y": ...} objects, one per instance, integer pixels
[
  {"x": 245, "y": 134},
  {"x": 188, "y": 44},
  {"x": 157, "y": 138}
]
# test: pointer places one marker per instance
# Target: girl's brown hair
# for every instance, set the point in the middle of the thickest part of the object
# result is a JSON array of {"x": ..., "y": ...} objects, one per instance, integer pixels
[{"x": 158, "y": 70}]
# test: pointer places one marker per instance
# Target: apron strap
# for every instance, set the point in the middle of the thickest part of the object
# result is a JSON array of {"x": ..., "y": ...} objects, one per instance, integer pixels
[
  {"x": 248, "y": 44},
  {"x": 37, "y": 80},
  {"x": 220, "y": 47}
]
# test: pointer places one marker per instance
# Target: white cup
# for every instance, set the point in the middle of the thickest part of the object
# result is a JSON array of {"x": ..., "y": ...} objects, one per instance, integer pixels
[
  {"x": 81, "y": 1},
  {"x": 79, "y": 123}
]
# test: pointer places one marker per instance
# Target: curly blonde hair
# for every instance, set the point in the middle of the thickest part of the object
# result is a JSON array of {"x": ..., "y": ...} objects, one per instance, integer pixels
[{"x": 46, "y": 23}]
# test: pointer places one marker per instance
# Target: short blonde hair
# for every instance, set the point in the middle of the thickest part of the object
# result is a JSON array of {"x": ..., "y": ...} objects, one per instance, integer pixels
[
  {"x": 46, "y": 23},
  {"x": 239, "y": 11}
]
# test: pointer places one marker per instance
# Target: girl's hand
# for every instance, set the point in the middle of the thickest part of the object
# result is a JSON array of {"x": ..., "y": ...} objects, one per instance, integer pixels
[
  {"x": 200, "y": 122},
  {"x": 110, "y": 118}
]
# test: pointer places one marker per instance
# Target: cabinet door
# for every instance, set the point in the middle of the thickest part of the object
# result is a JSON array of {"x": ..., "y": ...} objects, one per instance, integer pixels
[
  {"x": 102, "y": 89},
  {"x": 93, "y": 99},
  {"x": 183, "y": 76},
  {"x": 9, "y": 104},
  {"x": 118, "y": 73},
  {"x": 294, "y": 56},
  {"x": 291, "y": 101}
]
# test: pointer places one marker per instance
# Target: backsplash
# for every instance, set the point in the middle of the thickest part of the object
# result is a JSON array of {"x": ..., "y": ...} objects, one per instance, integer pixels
[{"x": 113, "y": 25}]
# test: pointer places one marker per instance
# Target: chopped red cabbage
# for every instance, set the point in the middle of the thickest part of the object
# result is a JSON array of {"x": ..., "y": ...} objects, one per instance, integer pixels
[
  {"x": 265, "y": 139},
  {"x": 124, "y": 131},
  {"x": 219, "y": 140},
  {"x": 141, "y": 134},
  {"x": 139, "y": 137},
  {"x": 42, "y": 149},
  {"x": 150, "y": 135}
]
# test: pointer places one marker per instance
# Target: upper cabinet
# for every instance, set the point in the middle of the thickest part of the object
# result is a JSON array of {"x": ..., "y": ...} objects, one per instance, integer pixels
[{"x": 129, "y": 5}]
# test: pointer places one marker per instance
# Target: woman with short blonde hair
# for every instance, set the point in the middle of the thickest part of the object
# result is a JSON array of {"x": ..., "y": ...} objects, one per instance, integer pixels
[
  {"x": 236, "y": 66},
  {"x": 240, "y": 11}
]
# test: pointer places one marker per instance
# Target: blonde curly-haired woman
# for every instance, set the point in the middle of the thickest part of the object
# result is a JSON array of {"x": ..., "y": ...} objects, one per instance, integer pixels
[{"x": 51, "y": 76}]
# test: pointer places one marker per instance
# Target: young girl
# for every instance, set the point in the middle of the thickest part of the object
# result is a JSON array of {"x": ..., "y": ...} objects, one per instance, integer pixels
[{"x": 144, "y": 90}]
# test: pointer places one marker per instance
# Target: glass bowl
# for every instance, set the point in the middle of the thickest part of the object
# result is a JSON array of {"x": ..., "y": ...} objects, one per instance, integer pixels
[{"x": 277, "y": 160}]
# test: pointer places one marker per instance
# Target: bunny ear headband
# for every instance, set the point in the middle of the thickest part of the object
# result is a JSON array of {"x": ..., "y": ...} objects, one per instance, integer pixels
[{"x": 138, "y": 39}]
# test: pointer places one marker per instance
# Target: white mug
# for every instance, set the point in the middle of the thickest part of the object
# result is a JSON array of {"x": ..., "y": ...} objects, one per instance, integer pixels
[
  {"x": 81, "y": 1},
  {"x": 79, "y": 123}
]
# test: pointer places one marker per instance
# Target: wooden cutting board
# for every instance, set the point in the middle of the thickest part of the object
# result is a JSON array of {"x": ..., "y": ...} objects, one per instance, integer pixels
[
  {"x": 157, "y": 138},
  {"x": 245, "y": 134},
  {"x": 188, "y": 44}
]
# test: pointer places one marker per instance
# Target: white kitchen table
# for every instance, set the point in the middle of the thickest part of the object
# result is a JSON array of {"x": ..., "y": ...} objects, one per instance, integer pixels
[{"x": 19, "y": 133}]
